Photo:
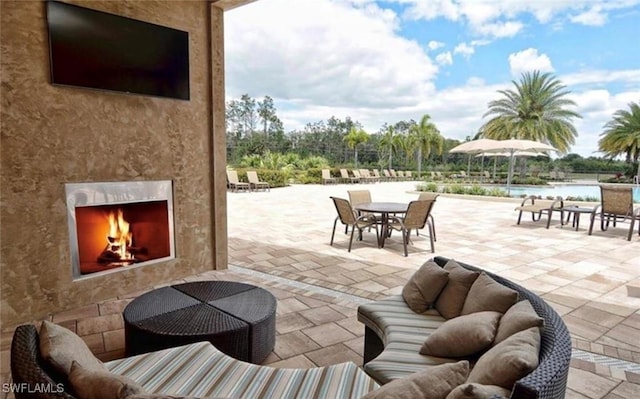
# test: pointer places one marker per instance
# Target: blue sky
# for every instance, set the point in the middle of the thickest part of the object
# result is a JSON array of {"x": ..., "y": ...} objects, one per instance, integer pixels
[{"x": 392, "y": 60}]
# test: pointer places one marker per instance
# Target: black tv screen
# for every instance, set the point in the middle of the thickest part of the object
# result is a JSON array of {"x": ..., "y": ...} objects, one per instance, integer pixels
[{"x": 98, "y": 50}]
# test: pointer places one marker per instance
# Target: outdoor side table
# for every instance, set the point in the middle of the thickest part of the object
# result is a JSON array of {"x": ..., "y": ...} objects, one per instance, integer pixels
[
  {"x": 576, "y": 211},
  {"x": 239, "y": 319}
]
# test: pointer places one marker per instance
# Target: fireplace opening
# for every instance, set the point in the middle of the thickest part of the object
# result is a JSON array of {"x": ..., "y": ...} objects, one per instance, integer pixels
[
  {"x": 111, "y": 236},
  {"x": 118, "y": 225}
]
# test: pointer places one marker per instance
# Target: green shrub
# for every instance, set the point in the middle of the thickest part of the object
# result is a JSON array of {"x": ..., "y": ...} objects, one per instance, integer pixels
[{"x": 429, "y": 187}]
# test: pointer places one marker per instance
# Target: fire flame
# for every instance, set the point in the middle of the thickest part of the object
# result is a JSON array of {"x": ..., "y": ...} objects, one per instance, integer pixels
[{"x": 120, "y": 238}]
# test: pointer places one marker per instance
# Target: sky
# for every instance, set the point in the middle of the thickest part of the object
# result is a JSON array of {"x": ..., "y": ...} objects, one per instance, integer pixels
[{"x": 393, "y": 60}]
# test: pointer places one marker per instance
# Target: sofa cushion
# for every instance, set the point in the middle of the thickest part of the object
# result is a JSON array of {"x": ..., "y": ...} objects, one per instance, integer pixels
[
  {"x": 510, "y": 360},
  {"x": 433, "y": 383},
  {"x": 424, "y": 286},
  {"x": 59, "y": 347},
  {"x": 487, "y": 294},
  {"x": 520, "y": 316},
  {"x": 463, "y": 335},
  {"x": 451, "y": 299},
  {"x": 479, "y": 391},
  {"x": 100, "y": 384},
  {"x": 200, "y": 369}
]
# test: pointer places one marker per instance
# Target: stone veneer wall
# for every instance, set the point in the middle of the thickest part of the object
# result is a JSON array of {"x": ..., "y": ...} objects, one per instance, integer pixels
[{"x": 52, "y": 135}]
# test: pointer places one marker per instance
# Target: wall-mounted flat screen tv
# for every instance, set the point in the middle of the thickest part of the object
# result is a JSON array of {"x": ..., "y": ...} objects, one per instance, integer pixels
[{"x": 98, "y": 50}]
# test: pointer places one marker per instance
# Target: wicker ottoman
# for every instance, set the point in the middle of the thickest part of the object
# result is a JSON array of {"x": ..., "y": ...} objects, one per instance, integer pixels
[{"x": 238, "y": 319}]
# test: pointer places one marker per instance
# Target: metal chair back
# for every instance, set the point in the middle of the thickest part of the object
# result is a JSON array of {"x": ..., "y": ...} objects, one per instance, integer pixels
[{"x": 617, "y": 201}]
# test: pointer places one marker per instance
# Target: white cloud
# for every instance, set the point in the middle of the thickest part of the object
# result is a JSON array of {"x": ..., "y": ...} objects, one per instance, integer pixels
[
  {"x": 529, "y": 60},
  {"x": 464, "y": 49},
  {"x": 434, "y": 45},
  {"x": 444, "y": 58},
  {"x": 327, "y": 52},
  {"x": 500, "y": 18},
  {"x": 591, "y": 17}
]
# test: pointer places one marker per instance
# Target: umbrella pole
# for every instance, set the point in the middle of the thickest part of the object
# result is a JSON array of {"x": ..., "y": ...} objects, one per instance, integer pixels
[
  {"x": 469, "y": 166},
  {"x": 482, "y": 169},
  {"x": 495, "y": 160},
  {"x": 510, "y": 174}
]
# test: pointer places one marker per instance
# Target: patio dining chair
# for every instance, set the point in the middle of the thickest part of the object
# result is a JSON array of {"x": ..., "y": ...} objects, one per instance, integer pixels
[
  {"x": 616, "y": 205},
  {"x": 234, "y": 183},
  {"x": 347, "y": 216},
  {"x": 255, "y": 183},
  {"x": 426, "y": 196},
  {"x": 415, "y": 218}
]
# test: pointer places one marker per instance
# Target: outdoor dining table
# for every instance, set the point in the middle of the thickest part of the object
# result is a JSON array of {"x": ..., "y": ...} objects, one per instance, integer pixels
[{"x": 384, "y": 209}]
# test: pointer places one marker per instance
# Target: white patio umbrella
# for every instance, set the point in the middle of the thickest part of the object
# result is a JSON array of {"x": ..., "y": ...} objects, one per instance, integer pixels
[
  {"x": 473, "y": 147},
  {"x": 511, "y": 147}
]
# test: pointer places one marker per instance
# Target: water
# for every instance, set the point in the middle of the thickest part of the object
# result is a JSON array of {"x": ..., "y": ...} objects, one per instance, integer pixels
[{"x": 564, "y": 191}]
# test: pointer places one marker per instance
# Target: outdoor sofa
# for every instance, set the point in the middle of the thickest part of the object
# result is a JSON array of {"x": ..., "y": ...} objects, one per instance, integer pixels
[{"x": 394, "y": 334}]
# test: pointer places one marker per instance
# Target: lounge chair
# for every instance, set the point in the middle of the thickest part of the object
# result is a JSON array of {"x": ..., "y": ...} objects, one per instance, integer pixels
[
  {"x": 537, "y": 207},
  {"x": 357, "y": 175},
  {"x": 366, "y": 176},
  {"x": 255, "y": 183},
  {"x": 387, "y": 175},
  {"x": 326, "y": 177},
  {"x": 344, "y": 175},
  {"x": 408, "y": 175},
  {"x": 616, "y": 205},
  {"x": 394, "y": 175},
  {"x": 347, "y": 216},
  {"x": 376, "y": 173},
  {"x": 415, "y": 218},
  {"x": 234, "y": 183}
]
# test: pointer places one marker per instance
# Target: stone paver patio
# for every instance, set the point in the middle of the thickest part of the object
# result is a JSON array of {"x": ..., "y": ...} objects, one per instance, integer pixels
[{"x": 280, "y": 240}]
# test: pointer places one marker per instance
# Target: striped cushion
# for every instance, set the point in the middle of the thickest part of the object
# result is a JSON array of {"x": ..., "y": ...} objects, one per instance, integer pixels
[
  {"x": 201, "y": 370},
  {"x": 403, "y": 331}
]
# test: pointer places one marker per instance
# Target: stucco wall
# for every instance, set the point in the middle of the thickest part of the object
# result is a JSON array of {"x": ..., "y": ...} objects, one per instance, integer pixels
[{"x": 53, "y": 135}]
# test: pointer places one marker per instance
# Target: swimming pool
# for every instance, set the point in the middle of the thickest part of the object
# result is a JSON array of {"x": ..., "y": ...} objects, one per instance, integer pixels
[{"x": 569, "y": 190}]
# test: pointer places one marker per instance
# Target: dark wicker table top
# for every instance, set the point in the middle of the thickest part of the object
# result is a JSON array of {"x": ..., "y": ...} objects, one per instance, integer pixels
[{"x": 200, "y": 308}]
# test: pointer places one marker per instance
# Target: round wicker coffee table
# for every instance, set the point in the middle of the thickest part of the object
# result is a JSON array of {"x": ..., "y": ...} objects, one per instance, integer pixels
[{"x": 238, "y": 319}]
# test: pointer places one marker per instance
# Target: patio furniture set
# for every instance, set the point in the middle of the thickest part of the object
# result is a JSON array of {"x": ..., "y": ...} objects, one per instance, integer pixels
[
  {"x": 360, "y": 212},
  {"x": 616, "y": 206},
  {"x": 253, "y": 184},
  {"x": 528, "y": 339}
]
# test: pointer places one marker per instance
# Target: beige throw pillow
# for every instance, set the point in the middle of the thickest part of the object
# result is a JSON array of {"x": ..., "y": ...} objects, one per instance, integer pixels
[
  {"x": 96, "y": 384},
  {"x": 434, "y": 382},
  {"x": 520, "y": 316},
  {"x": 451, "y": 299},
  {"x": 424, "y": 286},
  {"x": 487, "y": 294},
  {"x": 510, "y": 360},
  {"x": 462, "y": 336},
  {"x": 60, "y": 347},
  {"x": 479, "y": 391}
]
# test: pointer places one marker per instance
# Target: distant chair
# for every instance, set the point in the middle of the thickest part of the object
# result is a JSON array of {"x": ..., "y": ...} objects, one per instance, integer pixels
[
  {"x": 376, "y": 173},
  {"x": 616, "y": 205},
  {"x": 415, "y": 218},
  {"x": 364, "y": 174},
  {"x": 347, "y": 217},
  {"x": 408, "y": 174},
  {"x": 234, "y": 183},
  {"x": 326, "y": 177},
  {"x": 357, "y": 175},
  {"x": 394, "y": 174},
  {"x": 255, "y": 183},
  {"x": 387, "y": 175},
  {"x": 344, "y": 174}
]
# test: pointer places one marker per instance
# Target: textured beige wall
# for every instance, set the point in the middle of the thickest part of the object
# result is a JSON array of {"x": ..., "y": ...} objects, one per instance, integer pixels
[{"x": 53, "y": 135}]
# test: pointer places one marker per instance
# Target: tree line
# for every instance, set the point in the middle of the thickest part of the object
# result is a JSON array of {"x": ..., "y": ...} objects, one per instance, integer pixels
[{"x": 536, "y": 108}]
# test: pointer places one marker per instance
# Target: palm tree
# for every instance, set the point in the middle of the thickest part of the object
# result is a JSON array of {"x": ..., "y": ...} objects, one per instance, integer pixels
[
  {"x": 622, "y": 135},
  {"x": 353, "y": 138},
  {"x": 535, "y": 110},
  {"x": 425, "y": 137},
  {"x": 389, "y": 143}
]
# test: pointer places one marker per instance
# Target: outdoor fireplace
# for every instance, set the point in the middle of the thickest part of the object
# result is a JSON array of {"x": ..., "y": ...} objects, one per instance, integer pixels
[{"x": 116, "y": 225}]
